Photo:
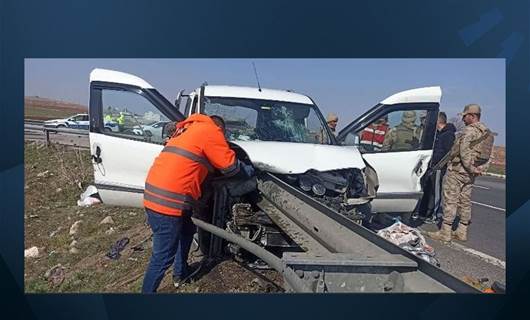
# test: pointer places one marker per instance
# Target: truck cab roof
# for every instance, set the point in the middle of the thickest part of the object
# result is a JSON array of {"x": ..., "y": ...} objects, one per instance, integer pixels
[{"x": 255, "y": 93}]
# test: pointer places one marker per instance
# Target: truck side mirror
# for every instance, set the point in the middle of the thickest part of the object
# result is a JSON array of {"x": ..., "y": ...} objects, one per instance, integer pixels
[{"x": 178, "y": 100}]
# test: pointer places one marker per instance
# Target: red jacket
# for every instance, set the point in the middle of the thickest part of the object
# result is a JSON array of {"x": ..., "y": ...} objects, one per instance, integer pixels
[{"x": 174, "y": 180}]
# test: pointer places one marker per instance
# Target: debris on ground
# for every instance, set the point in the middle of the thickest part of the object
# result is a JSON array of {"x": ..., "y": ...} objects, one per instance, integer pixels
[
  {"x": 480, "y": 284},
  {"x": 117, "y": 247},
  {"x": 43, "y": 174},
  {"x": 75, "y": 227},
  {"x": 32, "y": 252},
  {"x": 410, "y": 239},
  {"x": 89, "y": 197},
  {"x": 110, "y": 231},
  {"x": 56, "y": 231},
  {"x": 87, "y": 202},
  {"x": 107, "y": 220},
  {"x": 55, "y": 275}
]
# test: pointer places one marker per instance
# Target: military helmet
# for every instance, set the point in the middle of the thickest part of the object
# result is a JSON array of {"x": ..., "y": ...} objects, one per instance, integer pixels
[
  {"x": 471, "y": 109},
  {"x": 409, "y": 116}
]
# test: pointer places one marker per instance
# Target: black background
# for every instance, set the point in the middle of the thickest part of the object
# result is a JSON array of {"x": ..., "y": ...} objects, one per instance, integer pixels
[{"x": 265, "y": 29}]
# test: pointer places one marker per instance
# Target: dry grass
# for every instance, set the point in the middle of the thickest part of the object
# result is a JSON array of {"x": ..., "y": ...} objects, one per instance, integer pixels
[{"x": 54, "y": 178}]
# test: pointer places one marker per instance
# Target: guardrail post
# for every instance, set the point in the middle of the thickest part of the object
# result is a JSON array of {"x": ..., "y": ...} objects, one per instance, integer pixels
[{"x": 47, "y": 137}]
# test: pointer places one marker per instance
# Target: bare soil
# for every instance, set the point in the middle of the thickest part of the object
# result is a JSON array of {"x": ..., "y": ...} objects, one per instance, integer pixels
[{"x": 55, "y": 176}]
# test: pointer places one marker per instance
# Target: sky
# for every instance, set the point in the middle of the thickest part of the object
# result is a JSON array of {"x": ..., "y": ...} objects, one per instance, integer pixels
[{"x": 347, "y": 87}]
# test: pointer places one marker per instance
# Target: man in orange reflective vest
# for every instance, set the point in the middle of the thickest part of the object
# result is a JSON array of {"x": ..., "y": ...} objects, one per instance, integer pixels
[{"x": 173, "y": 188}]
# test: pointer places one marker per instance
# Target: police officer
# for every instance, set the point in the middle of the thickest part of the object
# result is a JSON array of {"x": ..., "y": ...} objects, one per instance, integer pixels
[
  {"x": 172, "y": 190},
  {"x": 404, "y": 136},
  {"x": 461, "y": 172}
]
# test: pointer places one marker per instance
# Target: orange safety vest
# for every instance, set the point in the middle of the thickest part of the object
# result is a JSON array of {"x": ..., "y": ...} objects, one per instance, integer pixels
[{"x": 174, "y": 180}]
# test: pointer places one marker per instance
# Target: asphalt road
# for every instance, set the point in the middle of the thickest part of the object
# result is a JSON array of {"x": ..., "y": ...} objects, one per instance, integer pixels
[{"x": 484, "y": 254}]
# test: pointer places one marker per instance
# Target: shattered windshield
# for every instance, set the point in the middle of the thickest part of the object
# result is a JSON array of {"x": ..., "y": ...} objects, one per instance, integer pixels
[{"x": 266, "y": 120}]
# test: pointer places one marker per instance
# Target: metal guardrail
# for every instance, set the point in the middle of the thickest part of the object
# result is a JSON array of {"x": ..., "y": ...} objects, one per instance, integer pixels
[{"x": 35, "y": 126}]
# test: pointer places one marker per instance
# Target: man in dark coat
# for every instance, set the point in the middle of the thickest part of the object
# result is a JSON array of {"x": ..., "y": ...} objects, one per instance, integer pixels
[{"x": 445, "y": 137}]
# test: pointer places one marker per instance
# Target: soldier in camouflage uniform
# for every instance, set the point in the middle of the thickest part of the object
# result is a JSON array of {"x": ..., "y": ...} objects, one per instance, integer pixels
[
  {"x": 404, "y": 136},
  {"x": 461, "y": 172}
]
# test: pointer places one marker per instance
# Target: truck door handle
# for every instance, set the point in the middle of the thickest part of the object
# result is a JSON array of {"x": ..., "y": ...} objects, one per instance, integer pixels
[{"x": 97, "y": 157}]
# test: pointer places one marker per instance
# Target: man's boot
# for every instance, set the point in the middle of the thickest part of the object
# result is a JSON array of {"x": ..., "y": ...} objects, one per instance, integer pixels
[
  {"x": 444, "y": 234},
  {"x": 461, "y": 232}
]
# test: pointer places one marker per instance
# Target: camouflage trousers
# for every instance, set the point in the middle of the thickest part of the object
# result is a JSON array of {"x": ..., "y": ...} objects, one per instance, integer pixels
[{"x": 456, "y": 191}]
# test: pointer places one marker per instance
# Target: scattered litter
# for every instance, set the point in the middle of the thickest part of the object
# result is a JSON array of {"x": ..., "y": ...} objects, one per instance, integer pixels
[
  {"x": 58, "y": 190},
  {"x": 51, "y": 253},
  {"x": 87, "y": 202},
  {"x": 478, "y": 283},
  {"x": 132, "y": 213},
  {"x": 55, "y": 275},
  {"x": 75, "y": 227},
  {"x": 141, "y": 246},
  {"x": 133, "y": 259},
  {"x": 89, "y": 197},
  {"x": 261, "y": 285},
  {"x": 32, "y": 252},
  {"x": 74, "y": 250},
  {"x": 73, "y": 243},
  {"x": 56, "y": 231},
  {"x": 110, "y": 231},
  {"x": 42, "y": 174},
  {"x": 410, "y": 239},
  {"x": 107, "y": 220},
  {"x": 33, "y": 216},
  {"x": 117, "y": 247}
]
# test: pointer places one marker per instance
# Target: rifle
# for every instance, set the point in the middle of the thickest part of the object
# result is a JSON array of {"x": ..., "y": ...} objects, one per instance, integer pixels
[{"x": 455, "y": 151}]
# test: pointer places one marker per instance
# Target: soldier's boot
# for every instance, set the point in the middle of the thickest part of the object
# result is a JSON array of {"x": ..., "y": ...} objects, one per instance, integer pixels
[
  {"x": 444, "y": 234},
  {"x": 461, "y": 232}
]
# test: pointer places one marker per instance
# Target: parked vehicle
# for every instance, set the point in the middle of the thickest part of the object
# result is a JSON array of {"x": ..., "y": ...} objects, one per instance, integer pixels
[{"x": 78, "y": 121}]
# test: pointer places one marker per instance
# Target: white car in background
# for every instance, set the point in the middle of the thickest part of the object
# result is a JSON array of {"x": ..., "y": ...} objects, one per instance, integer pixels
[{"x": 78, "y": 121}]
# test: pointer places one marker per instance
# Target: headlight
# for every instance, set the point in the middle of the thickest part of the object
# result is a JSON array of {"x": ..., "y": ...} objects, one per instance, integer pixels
[
  {"x": 305, "y": 183},
  {"x": 318, "y": 189}
]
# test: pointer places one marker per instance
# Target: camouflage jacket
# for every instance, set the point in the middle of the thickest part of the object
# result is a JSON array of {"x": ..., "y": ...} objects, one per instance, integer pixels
[
  {"x": 402, "y": 138},
  {"x": 464, "y": 161}
]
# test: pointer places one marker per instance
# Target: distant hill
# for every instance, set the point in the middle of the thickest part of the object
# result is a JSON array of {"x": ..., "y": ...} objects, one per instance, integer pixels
[{"x": 40, "y": 108}]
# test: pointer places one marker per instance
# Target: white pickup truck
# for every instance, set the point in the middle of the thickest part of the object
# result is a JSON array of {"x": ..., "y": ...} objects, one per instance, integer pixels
[{"x": 278, "y": 131}]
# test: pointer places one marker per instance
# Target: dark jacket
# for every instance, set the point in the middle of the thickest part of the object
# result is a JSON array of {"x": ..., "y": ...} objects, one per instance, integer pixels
[{"x": 443, "y": 143}]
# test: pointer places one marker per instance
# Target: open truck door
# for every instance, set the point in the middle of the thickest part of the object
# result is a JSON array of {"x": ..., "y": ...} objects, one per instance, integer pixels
[
  {"x": 396, "y": 138},
  {"x": 122, "y": 156}
]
